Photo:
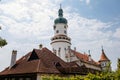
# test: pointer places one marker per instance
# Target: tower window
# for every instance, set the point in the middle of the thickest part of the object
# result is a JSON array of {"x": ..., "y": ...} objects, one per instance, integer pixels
[
  {"x": 65, "y": 32},
  {"x": 65, "y": 27},
  {"x": 54, "y": 27},
  {"x": 57, "y": 31}
]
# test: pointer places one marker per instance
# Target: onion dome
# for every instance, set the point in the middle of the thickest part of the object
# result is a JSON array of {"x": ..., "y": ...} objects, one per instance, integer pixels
[{"x": 60, "y": 18}]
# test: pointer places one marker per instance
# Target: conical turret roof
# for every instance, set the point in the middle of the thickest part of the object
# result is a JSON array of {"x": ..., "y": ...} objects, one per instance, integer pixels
[{"x": 103, "y": 56}]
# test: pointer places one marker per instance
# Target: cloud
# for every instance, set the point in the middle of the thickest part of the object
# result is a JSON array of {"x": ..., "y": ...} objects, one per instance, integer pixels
[
  {"x": 86, "y": 1},
  {"x": 27, "y": 17},
  {"x": 117, "y": 33}
]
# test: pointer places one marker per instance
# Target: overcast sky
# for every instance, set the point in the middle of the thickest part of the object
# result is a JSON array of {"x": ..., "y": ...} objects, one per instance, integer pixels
[{"x": 92, "y": 23}]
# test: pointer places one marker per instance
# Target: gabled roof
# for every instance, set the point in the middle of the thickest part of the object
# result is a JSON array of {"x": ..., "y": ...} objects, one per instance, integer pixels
[
  {"x": 37, "y": 61},
  {"x": 84, "y": 57},
  {"x": 103, "y": 57}
]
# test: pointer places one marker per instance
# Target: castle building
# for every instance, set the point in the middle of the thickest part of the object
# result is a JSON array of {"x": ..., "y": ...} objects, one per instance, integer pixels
[{"x": 61, "y": 60}]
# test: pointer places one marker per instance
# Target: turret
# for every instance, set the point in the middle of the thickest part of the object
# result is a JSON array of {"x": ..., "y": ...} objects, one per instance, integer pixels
[
  {"x": 104, "y": 61},
  {"x": 60, "y": 41}
]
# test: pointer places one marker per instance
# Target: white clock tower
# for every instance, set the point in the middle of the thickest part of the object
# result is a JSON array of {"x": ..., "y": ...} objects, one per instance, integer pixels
[{"x": 60, "y": 42}]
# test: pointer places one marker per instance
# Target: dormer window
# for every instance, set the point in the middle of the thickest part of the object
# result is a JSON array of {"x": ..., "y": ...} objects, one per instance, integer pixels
[{"x": 33, "y": 56}]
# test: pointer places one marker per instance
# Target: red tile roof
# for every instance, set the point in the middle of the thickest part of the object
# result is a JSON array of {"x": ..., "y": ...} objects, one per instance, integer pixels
[
  {"x": 103, "y": 57},
  {"x": 84, "y": 57},
  {"x": 45, "y": 63}
]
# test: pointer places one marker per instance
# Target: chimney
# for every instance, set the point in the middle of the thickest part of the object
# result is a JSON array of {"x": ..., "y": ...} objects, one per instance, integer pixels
[
  {"x": 89, "y": 56},
  {"x": 40, "y": 46},
  {"x": 13, "y": 58}
]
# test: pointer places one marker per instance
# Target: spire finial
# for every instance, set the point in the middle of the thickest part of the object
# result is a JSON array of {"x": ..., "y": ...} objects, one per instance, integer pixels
[
  {"x": 102, "y": 47},
  {"x": 60, "y": 6},
  {"x": 89, "y": 51},
  {"x": 60, "y": 12}
]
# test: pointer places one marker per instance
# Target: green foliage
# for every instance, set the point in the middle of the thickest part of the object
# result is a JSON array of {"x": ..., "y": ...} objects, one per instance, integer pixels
[
  {"x": 118, "y": 64},
  {"x": 98, "y": 76},
  {"x": 2, "y": 42},
  {"x": 117, "y": 75}
]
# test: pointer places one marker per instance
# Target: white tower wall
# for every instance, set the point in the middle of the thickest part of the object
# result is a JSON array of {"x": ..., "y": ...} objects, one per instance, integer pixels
[
  {"x": 61, "y": 49},
  {"x": 60, "y": 29},
  {"x": 60, "y": 42}
]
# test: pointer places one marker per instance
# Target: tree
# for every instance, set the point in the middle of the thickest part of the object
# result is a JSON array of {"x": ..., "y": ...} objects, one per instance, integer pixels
[
  {"x": 118, "y": 64},
  {"x": 117, "y": 76},
  {"x": 2, "y": 41}
]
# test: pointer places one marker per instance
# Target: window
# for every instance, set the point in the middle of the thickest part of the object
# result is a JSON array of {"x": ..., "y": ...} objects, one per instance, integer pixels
[
  {"x": 65, "y": 27},
  {"x": 65, "y": 32},
  {"x": 54, "y": 27},
  {"x": 57, "y": 31},
  {"x": 59, "y": 51}
]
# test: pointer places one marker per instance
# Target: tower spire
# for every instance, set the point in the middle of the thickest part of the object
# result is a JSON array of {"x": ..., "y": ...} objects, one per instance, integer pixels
[
  {"x": 60, "y": 6},
  {"x": 102, "y": 48},
  {"x": 60, "y": 12}
]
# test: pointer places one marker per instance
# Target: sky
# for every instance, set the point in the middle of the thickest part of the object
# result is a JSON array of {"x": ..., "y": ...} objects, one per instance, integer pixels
[{"x": 91, "y": 24}]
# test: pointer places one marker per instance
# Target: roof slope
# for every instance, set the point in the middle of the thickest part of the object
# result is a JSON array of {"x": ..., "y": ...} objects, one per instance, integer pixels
[
  {"x": 44, "y": 62},
  {"x": 84, "y": 57}
]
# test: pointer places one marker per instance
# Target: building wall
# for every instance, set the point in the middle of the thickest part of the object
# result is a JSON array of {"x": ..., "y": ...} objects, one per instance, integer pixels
[{"x": 92, "y": 66}]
